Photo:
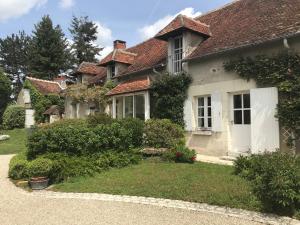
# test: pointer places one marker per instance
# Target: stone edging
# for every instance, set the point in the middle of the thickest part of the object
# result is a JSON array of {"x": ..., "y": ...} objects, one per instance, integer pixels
[{"x": 177, "y": 204}]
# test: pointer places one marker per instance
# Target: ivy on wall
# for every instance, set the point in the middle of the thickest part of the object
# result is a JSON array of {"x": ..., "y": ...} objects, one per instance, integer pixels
[
  {"x": 40, "y": 103},
  {"x": 168, "y": 94},
  {"x": 281, "y": 71}
]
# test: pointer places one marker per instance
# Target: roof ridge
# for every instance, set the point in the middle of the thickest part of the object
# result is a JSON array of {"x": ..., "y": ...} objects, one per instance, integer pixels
[
  {"x": 214, "y": 10},
  {"x": 46, "y": 81},
  {"x": 126, "y": 52}
]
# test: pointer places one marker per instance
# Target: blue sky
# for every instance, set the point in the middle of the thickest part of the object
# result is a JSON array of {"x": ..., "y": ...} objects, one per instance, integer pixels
[{"x": 129, "y": 20}]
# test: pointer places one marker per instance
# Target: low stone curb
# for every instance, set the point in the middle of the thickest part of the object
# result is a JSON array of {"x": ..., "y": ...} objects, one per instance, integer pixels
[{"x": 177, "y": 204}]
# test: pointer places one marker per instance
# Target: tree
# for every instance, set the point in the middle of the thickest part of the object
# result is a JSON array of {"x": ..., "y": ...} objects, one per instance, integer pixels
[
  {"x": 84, "y": 34},
  {"x": 14, "y": 57},
  {"x": 49, "y": 53},
  {"x": 5, "y": 93}
]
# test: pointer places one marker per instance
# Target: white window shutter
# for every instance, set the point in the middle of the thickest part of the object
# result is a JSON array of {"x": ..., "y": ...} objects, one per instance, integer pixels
[
  {"x": 216, "y": 105},
  {"x": 26, "y": 93},
  {"x": 188, "y": 114},
  {"x": 264, "y": 125}
]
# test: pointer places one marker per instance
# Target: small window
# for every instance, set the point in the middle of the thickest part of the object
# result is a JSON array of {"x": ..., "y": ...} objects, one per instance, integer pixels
[
  {"x": 112, "y": 71},
  {"x": 177, "y": 54},
  {"x": 242, "y": 109},
  {"x": 204, "y": 113}
]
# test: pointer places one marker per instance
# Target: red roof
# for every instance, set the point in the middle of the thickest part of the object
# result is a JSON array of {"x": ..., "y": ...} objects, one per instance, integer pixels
[
  {"x": 45, "y": 86},
  {"x": 90, "y": 69},
  {"x": 182, "y": 22},
  {"x": 138, "y": 84},
  {"x": 118, "y": 55},
  {"x": 248, "y": 22},
  {"x": 99, "y": 79}
]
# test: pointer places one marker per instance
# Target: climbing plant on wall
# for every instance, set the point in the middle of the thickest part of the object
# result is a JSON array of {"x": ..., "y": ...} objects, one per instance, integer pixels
[
  {"x": 168, "y": 94},
  {"x": 281, "y": 71},
  {"x": 40, "y": 103}
]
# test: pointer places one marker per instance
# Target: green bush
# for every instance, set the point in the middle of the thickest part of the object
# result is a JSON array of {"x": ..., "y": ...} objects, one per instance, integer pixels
[
  {"x": 275, "y": 178},
  {"x": 136, "y": 128},
  {"x": 99, "y": 118},
  {"x": 18, "y": 167},
  {"x": 14, "y": 117},
  {"x": 162, "y": 134},
  {"x": 39, "y": 167},
  {"x": 180, "y": 154}
]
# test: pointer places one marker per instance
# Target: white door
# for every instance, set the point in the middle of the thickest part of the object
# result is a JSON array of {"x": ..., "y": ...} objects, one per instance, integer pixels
[{"x": 240, "y": 126}]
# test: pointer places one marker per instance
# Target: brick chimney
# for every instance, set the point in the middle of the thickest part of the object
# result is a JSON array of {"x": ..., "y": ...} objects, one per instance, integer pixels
[{"x": 118, "y": 44}]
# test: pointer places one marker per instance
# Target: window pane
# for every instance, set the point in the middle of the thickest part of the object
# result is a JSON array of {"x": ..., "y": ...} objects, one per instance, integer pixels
[
  {"x": 247, "y": 117},
  {"x": 200, "y": 101},
  {"x": 140, "y": 107},
  {"x": 208, "y": 101},
  {"x": 209, "y": 111},
  {"x": 246, "y": 101},
  {"x": 237, "y": 101},
  {"x": 119, "y": 108},
  {"x": 202, "y": 122},
  {"x": 209, "y": 122},
  {"x": 238, "y": 117},
  {"x": 129, "y": 106},
  {"x": 201, "y": 112}
]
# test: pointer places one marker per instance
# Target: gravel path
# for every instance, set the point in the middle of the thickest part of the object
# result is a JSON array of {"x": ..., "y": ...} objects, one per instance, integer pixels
[{"x": 20, "y": 207}]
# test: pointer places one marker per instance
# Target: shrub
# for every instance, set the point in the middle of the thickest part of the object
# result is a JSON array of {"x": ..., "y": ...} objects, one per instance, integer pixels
[
  {"x": 18, "y": 167},
  {"x": 14, "y": 117},
  {"x": 275, "y": 178},
  {"x": 5, "y": 92},
  {"x": 136, "y": 127},
  {"x": 162, "y": 133},
  {"x": 99, "y": 118},
  {"x": 180, "y": 154},
  {"x": 40, "y": 167}
]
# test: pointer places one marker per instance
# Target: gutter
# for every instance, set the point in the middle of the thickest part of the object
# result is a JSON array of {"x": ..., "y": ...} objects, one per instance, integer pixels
[{"x": 244, "y": 46}]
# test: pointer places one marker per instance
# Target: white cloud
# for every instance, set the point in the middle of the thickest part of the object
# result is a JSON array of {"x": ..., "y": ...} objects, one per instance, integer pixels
[
  {"x": 152, "y": 29},
  {"x": 104, "y": 39},
  {"x": 65, "y": 4},
  {"x": 16, "y": 8}
]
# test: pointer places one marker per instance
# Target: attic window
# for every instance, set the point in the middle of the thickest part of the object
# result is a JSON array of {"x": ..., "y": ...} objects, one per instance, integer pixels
[
  {"x": 177, "y": 54},
  {"x": 112, "y": 71}
]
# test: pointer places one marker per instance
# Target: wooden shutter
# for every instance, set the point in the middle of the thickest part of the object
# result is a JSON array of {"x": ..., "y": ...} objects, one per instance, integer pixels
[
  {"x": 216, "y": 104},
  {"x": 188, "y": 114},
  {"x": 264, "y": 125}
]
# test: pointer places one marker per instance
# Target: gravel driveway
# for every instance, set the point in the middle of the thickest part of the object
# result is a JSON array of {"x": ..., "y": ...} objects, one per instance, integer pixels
[{"x": 19, "y": 207}]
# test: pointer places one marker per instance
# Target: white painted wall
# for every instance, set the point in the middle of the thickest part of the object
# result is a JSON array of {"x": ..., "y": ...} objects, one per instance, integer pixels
[{"x": 29, "y": 118}]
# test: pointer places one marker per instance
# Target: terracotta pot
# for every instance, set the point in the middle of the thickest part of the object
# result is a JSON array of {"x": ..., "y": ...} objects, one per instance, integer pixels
[{"x": 38, "y": 183}]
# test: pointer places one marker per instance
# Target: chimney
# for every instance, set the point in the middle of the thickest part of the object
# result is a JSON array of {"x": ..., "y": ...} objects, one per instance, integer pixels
[{"x": 118, "y": 44}]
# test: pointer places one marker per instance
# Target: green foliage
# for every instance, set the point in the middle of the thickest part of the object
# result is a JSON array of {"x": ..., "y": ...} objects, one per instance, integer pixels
[
  {"x": 78, "y": 139},
  {"x": 18, "y": 167},
  {"x": 275, "y": 178},
  {"x": 180, "y": 154},
  {"x": 41, "y": 103},
  {"x": 162, "y": 133},
  {"x": 5, "y": 92},
  {"x": 40, "y": 167},
  {"x": 281, "y": 71},
  {"x": 49, "y": 50},
  {"x": 168, "y": 94},
  {"x": 99, "y": 118},
  {"x": 14, "y": 117},
  {"x": 14, "y": 57},
  {"x": 84, "y": 34}
]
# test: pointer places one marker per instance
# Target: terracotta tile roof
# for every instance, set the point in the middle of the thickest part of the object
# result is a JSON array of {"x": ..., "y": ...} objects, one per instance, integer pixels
[
  {"x": 45, "y": 86},
  {"x": 118, "y": 55},
  {"x": 182, "y": 22},
  {"x": 135, "y": 85},
  {"x": 53, "y": 110},
  {"x": 90, "y": 69},
  {"x": 99, "y": 79},
  {"x": 247, "y": 22}
]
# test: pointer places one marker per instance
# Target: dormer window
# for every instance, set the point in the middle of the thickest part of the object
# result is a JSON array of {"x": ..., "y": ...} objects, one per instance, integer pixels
[
  {"x": 177, "y": 54},
  {"x": 112, "y": 71}
]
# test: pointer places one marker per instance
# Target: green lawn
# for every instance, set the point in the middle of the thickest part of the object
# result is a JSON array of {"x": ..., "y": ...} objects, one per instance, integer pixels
[
  {"x": 15, "y": 144},
  {"x": 199, "y": 182}
]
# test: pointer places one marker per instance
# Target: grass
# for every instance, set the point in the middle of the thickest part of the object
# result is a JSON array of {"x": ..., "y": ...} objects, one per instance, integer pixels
[
  {"x": 199, "y": 182},
  {"x": 15, "y": 144}
]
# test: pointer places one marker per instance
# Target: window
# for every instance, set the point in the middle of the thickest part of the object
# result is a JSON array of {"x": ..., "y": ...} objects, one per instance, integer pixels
[
  {"x": 139, "y": 104},
  {"x": 128, "y": 106},
  {"x": 177, "y": 54},
  {"x": 112, "y": 71},
  {"x": 119, "y": 108},
  {"x": 242, "y": 109},
  {"x": 204, "y": 113},
  {"x": 132, "y": 106}
]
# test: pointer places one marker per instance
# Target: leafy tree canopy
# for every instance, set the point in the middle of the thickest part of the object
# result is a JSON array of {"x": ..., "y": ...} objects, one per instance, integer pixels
[{"x": 5, "y": 92}]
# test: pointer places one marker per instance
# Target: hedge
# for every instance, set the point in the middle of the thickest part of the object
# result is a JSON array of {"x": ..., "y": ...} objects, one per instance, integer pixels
[{"x": 14, "y": 117}]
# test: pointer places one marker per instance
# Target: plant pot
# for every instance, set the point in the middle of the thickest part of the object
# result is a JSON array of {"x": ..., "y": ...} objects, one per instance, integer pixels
[{"x": 38, "y": 183}]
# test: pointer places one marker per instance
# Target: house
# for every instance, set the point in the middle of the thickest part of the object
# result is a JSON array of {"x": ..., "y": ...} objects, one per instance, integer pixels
[
  {"x": 224, "y": 114},
  {"x": 44, "y": 87},
  {"x": 88, "y": 74}
]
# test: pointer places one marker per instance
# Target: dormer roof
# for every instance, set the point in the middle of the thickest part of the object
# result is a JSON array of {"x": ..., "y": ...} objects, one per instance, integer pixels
[
  {"x": 183, "y": 23},
  {"x": 120, "y": 56}
]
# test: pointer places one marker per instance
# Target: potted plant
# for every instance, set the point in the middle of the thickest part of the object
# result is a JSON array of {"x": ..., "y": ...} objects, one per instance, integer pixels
[{"x": 39, "y": 170}]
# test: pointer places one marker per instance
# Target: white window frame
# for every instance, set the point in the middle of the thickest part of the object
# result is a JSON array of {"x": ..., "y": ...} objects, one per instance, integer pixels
[
  {"x": 243, "y": 109},
  {"x": 177, "y": 62},
  {"x": 206, "y": 116}
]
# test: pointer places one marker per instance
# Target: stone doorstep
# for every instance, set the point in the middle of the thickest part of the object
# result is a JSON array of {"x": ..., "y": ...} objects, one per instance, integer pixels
[
  {"x": 269, "y": 219},
  {"x": 214, "y": 160}
]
